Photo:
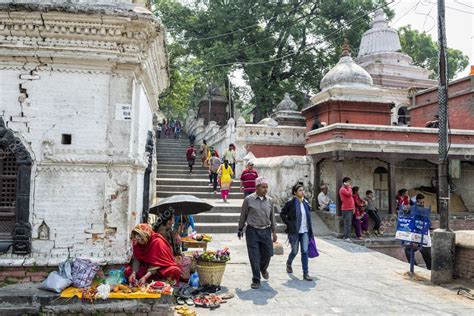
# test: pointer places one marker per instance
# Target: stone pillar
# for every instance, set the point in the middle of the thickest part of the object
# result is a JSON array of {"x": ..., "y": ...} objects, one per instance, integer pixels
[
  {"x": 317, "y": 181},
  {"x": 392, "y": 187},
  {"x": 338, "y": 163},
  {"x": 442, "y": 256}
]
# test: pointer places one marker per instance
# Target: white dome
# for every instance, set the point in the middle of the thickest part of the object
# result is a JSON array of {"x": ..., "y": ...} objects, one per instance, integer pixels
[
  {"x": 380, "y": 38},
  {"x": 346, "y": 72}
]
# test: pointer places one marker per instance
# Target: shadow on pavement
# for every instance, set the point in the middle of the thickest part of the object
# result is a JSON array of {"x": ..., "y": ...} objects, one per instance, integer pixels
[
  {"x": 260, "y": 296},
  {"x": 354, "y": 247},
  {"x": 300, "y": 284}
]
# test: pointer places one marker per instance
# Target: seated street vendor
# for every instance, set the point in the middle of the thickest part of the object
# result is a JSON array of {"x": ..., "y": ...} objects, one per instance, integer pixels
[
  {"x": 152, "y": 257},
  {"x": 164, "y": 227}
]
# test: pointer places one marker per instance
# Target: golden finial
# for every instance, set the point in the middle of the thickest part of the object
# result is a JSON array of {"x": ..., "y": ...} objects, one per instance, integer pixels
[{"x": 346, "y": 49}]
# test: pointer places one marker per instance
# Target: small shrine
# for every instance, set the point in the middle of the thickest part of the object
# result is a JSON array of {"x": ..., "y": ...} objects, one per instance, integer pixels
[{"x": 286, "y": 113}]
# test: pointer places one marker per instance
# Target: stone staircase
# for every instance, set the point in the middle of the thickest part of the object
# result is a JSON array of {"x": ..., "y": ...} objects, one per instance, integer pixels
[{"x": 173, "y": 178}]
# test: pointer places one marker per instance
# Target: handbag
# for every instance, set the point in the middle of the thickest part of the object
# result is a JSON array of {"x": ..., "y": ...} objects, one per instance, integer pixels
[{"x": 312, "y": 250}]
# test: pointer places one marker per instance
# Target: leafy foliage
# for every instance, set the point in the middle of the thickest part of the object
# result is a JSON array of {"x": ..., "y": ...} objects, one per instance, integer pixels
[
  {"x": 281, "y": 45},
  {"x": 424, "y": 51}
]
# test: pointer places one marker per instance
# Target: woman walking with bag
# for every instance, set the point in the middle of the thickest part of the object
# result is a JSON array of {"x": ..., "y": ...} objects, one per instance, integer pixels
[{"x": 297, "y": 217}]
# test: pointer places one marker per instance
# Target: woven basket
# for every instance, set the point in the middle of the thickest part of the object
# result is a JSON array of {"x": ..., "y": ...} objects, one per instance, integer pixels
[{"x": 210, "y": 273}]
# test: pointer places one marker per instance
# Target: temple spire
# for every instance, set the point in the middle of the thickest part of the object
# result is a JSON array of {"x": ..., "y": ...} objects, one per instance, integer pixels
[{"x": 346, "y": 48}]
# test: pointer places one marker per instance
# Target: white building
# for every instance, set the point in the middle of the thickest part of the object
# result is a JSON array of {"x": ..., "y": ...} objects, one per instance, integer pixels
[
  {"x": 79, "y": 84},
  {"x": 380, "y": 54}
]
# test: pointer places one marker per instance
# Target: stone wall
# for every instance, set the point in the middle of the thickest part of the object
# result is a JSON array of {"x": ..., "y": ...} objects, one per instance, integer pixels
[
  {"x": 464, "y": 260},
  {"x": 86, "y": 195},
  {"x": 283, "y": 172}
]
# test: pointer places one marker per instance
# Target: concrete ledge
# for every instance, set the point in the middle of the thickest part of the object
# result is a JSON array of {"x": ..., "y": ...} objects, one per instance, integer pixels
[{"x": 465, "y": 238}]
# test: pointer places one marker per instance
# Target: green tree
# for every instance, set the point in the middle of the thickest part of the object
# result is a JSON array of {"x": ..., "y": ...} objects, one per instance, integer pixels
[
  {"x": 424, "y": 52},
  {"x": 186, "y": 84},
  {"x": 281, "y": 45}
]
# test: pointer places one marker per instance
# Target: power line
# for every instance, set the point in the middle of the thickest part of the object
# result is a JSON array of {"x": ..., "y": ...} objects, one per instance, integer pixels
[
  {"x": 462, "y": 3},
  {"x": 294, "y": 53}
]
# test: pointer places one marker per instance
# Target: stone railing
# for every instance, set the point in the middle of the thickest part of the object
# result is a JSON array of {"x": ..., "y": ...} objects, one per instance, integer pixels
[{"x": 243, "y": 135}]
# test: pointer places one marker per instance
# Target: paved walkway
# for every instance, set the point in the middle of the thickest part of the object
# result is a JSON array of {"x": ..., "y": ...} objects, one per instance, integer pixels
[{"x": 349, "y": 280}]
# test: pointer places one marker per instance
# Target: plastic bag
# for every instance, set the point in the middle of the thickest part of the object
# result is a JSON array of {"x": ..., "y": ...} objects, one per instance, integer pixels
[
  {"x": 65, "y": 269},
  {"x": 194, "y": 280},
  {"x": 83, "y": 272},
  {"x": 115, "y": 277},
  {"x": 55, "y": 282}
]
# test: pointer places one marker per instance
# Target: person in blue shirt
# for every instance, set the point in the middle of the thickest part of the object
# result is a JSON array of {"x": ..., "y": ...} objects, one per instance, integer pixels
[{"x": 182, "y": 224}]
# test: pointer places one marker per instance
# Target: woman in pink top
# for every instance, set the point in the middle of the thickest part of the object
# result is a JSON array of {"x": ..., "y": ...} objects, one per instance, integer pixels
[
  {"x": 347, "y": 206},
  {"x": 360, "y": 220}
]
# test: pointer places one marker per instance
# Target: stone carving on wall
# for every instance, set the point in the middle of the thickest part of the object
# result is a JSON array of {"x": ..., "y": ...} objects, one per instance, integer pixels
[
  {"x": 48, "y": 149},
  {"x": 43, "y": 231}
]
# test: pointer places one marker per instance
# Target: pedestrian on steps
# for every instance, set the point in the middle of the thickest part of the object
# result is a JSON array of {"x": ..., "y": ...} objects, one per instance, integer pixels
[
  {"x": 297, "y": 218},
  {"x": 225, "y": 177},
  {"x": 214, "y": 164},
  {"x": 191, "y": 157},
  {"x": 247, "y": 179},
  {"x": 204, "y": 153},
  {"x": 258, "y": 214},
  {"x": 347, "y": 207}
]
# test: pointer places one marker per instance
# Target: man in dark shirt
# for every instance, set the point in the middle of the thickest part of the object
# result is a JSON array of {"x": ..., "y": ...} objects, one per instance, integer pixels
[{"x": 259, "y": 216}]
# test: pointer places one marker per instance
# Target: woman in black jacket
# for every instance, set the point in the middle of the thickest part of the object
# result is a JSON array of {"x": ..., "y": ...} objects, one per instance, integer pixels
[{"x": 297, "y": 217}]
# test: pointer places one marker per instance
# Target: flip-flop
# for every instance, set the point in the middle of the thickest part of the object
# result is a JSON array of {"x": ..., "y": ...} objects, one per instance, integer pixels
[{"x": 227, "y": 296}]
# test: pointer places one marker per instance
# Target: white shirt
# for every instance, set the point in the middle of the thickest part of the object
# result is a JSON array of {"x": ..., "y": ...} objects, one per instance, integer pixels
[
  {"x": 323, "y": 200},
  {"x": 304, "y": 221}
]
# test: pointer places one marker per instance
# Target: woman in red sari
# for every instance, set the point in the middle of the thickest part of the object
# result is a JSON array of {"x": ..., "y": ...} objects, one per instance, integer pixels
[{"x": 152, "y": 257}]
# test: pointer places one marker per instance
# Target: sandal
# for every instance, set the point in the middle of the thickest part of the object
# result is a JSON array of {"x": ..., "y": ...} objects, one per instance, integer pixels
[{"x": 227, "y": 296}]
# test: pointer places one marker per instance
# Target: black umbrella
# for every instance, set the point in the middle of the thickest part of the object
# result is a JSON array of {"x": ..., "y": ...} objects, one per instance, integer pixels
[{"x": 182, "y": 205}]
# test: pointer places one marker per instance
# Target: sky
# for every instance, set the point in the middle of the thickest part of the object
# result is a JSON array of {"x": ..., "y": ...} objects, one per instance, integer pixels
[{"x": 422, "y": 15}]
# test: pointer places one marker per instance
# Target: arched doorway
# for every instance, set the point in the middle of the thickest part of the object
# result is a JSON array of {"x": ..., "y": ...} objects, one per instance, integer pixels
[
  {"x": 15, "y": 173},
  {"x": 381, "y": 188}
]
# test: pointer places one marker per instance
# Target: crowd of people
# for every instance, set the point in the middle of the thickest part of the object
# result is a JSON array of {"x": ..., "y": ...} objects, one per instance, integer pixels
[
  {"x": 169, "y": 128},
  {"x": 221, "y": 169},
  {"x": 356, "y": 212}
]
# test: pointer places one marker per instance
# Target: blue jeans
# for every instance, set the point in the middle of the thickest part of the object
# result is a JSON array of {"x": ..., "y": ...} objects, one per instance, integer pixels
[{"x": 303, "y": 239}]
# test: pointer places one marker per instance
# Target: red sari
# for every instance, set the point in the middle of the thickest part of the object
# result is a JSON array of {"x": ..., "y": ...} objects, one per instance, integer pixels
[{"x": 155, "y": 253}]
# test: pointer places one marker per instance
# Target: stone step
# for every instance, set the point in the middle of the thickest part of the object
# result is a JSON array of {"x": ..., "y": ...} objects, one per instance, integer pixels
[
  {"x": 170, "y": 175},
  {"x": 202, "y": 195},
  {"x": 180, "y": 172},
  {"x": 180, "y": 167},
  {"x": 231, "y": 228},
  {"x": 203, "y": 181},
  {"x": 203, "y": 188},
  {"x": 205, "y": 218}
]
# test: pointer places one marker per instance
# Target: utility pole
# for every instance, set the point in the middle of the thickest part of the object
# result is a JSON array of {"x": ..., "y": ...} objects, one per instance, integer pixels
[
  {"x": 443, "y": 243},
  {"x": 443, "y": 181}
]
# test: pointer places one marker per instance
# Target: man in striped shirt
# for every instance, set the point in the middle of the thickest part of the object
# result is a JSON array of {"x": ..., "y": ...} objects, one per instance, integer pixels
[{"x": 247, "y": 180}]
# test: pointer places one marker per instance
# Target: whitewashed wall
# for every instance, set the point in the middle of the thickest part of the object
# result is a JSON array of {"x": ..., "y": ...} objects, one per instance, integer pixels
[{"x": 88, "y": 193}]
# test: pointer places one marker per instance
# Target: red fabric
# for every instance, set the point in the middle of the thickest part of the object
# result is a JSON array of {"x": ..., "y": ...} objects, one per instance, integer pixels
[
  {"x": 401, "y": 199},
  {"x": 347, "y": 202},
  {"x": 358, "y": 205},
  {"x": 189, "y": 153},
  {"x": 156, "y": 253},
  {"x": 171, "y": 273},
  {"x": 248, "y": 178}
]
